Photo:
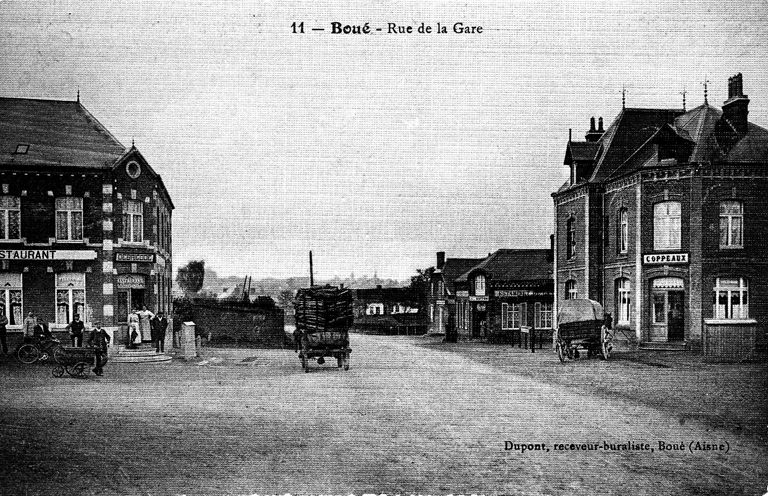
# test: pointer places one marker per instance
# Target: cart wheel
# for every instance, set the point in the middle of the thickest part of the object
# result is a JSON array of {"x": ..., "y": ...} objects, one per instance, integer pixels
[
  {"x": 28, "y": 353},
  {"x": 606, "y": 340},
  {"x": 79, "y": 370},
  {"x": 560, "y": 352},
  {"x": 58, "y": 354},
  {"x": 345, "y": 362},
  {"x": 58, "y": 371}
]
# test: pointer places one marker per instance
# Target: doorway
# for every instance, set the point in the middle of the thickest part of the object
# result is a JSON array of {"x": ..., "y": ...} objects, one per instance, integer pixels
[
  {"x": 127, "y": 300},
  {"x": 667, "y": 310},
  {"x": 479, "y": 322}
]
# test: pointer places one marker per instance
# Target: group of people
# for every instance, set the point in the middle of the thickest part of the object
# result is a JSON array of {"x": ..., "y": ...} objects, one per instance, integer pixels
[{"x": 144, "y": 325}]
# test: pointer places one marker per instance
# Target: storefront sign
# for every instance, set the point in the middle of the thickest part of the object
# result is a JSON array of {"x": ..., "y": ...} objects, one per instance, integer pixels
[
  {"x": 512, "y": 293},
  {"x": 131, "y": 281},
  {"x": 70, "y": 279},
  {"x": 135, "y": 257},
  {"x": 666, "y": 258},
  {"x": 462, "y": 293},
  {"x": 440, "y": 302},
  {"x": 478, "y": 298},
  {"x": 47, "y": 255}
]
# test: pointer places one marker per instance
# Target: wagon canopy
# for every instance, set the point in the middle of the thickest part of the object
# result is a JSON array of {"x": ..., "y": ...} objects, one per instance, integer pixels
[{"x": 579, "y": 310}]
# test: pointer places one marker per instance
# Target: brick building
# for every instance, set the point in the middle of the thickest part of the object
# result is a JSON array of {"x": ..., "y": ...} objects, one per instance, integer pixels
[
  {"x": 662, "y": 221},
  {"x": 442, "y": 293},
  {"x": 506, "y": 290},
  {"x": 85, "y": 222}
]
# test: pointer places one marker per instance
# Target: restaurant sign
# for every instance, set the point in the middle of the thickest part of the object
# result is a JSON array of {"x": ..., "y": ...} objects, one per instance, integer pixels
[
  {"x": 666, "y": 258},
  {"x": 47, "y": 255},
  {"x": 131, "y": 281},
  {"x": 121, "y": 256},
  {"x": 511, "y": 293}
]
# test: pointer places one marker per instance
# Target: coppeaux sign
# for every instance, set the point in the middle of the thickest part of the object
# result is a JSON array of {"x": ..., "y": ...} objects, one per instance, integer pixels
[
  {"x": 666, "y": 258},
  {"x": 47, "y": 255},
  {"x": 134, "y": 257}
]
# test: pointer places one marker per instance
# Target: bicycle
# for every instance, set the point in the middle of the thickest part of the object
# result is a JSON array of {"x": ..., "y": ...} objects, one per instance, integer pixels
[{"x": 42, "y": 349}]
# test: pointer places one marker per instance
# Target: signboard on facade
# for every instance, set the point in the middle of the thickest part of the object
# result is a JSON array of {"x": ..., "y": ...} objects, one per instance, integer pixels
[
  {"x": 131, "y": 281},
  {"x": 70, "y": 279},
  {"x": 478, "y": 298},
  {"x": 462, "y": 293},
  {"x": 134, "y": 257},
  {"x": 440, "y": 302},
  {"x": 666, "y": 258},
  {"x": 512, "y": 293},
  {"x": 46, "y": 255}
]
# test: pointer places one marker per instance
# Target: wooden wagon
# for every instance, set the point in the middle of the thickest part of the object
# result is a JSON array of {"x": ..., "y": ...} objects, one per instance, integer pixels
[
  {"x": 581, "y": 326},
  {"x": 323, "y": 318}
]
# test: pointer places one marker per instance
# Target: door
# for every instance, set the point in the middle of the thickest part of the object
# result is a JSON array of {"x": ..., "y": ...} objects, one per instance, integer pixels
[
  {"x": 675, "y": 319},
  {"x": 479, "y": 321},
  {"x": 667, "y": 311}
]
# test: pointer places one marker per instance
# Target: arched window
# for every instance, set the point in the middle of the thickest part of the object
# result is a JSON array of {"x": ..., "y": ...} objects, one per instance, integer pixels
[
  {"x": 731, "y": 224},
  {"x": 10, "y": 217},
  {"x": 623, "y": 301},
  {"x": 570, "y": 290},
  {"x": 622, "y": 240},
  {"x": 479, "y": 285},
  {"x": 666, "y": 226},
  {"x": 570, "y": 237},
  {"x": 731, "y": 298}
]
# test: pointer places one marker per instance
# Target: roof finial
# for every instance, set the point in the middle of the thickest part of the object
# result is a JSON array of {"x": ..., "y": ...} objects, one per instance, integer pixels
[
  {"x": 683, "y": 93},
  {"x": 133, "y": 143},
  {"x": 623, "y": 97},
  {"x": 78, "y": 94},
  {"x": 706, "y": 81}
]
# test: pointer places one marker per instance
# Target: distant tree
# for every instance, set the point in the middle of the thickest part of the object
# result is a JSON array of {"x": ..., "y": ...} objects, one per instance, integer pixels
[
  {"x": 285, "y": 298},
  {"x": 190, "y": 277},
  {"x": 420, "y": 284}
]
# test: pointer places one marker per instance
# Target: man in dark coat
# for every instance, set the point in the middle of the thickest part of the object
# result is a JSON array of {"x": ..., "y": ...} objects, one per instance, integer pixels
[
  {"x": 75, "y": 329},
  {"x": 99, "y": 341},
  {"x": 159, "y": 325}
]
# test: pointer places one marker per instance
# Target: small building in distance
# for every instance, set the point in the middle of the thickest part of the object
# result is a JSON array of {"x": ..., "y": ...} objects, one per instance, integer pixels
[
  {"x": 442, "y": 293},
  {"x": 382, "y": 310}
]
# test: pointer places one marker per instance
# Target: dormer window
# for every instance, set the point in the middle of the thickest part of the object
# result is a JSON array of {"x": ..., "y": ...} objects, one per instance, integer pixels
[{"x": 22, "y": 149}]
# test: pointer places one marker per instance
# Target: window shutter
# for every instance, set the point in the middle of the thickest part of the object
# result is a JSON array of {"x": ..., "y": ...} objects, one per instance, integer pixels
[
  {"x": 537, "y": 315},
  {"x": 504, "y": 319}
]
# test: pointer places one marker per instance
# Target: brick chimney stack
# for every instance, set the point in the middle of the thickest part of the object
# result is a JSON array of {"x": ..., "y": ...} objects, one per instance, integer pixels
[
  {"x": 736, "y": 108},
  {"x": 594, "y": 134},
  {"x": 440, "y": 260}
]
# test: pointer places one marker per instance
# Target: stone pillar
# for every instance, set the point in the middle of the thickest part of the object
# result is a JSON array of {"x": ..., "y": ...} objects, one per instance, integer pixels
[
  {"x": 188, "y": 340},
  {"x": 168, "y": 344}
]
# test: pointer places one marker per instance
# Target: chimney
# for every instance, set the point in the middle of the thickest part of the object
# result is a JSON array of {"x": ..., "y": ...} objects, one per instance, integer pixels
[
  {"x": 736, "y": 108},
  {"x": 594, "y": 134},
  {"x": 440, "y": 260},
  {"x": 378, "y": 286},
  {"x": 600, "y": 125}
]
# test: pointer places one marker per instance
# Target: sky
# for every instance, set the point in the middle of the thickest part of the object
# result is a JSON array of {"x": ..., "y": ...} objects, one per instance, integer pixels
[{"x": 373, "y": 151}]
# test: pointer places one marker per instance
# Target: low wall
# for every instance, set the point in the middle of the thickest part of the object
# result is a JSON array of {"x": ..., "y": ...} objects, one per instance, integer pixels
[
  {"x": 724, "y": 340},
  {"x": 262, "y": 326}
]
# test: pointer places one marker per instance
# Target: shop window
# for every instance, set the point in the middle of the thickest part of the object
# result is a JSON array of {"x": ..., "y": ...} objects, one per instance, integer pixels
[
  {"x": 622, "y": 240},
  {"x": 571, "y": 293},
  {"x": 731, "y": 224},
  {"x": 570, "y": 238},
  {"x": 543, "y": 316},
  {"x": 10, "y": 218},
  {"x": 70, "y": 296},
  {"x": 731, "y": 298},
  {"x": 513, "y": 315},
  {"x": 623, "y": 301},
  {"x": 133, "y": 221},
  {"x": 11, "y": 298},
  {"x": 479, "y": 285},
  {"x": 69, "y": 218},
  {"x": 666, "y": 226}
]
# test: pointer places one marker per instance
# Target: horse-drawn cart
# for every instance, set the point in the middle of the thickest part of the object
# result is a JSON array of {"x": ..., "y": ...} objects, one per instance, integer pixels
[
  {"x": 581, "y": 325},
  {"x": 323, "y": 318}
]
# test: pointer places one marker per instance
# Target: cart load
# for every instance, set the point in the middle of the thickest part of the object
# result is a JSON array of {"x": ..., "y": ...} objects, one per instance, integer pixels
[
  {"x": 323, "y": 319},
  {"x": 581, "y": 325}
]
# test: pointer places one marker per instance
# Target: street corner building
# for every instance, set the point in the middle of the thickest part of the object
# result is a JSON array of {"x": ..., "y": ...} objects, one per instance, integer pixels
[
  {"x": 85, "y": 222},
  {"x": 663, "y": 220},
  {"x": 495, "y": 297}
]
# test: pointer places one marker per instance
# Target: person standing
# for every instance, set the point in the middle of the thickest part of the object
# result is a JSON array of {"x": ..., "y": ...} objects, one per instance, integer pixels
[
  {"x": 134, "y": 335},
  {"x": 29, "y": 328},
  {"x": 99, "y": 341},
  {"x": 3, "y": 329},
  {"x": 159, "y": 325},
  {"x": 75, "y": 329},
  {"x": 145, "y": 328}
]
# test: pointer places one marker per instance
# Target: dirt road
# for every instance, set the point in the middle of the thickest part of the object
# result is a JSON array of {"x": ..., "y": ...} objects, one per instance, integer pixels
[{"x": 404, "y": 419}]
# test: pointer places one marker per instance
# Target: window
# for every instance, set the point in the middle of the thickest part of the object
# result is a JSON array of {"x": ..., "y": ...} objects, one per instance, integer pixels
[
  {"x": 69, "y": 218},
  {"x": 543, "y": 316},
  {"x": 570, "y": 238},
  {"x": 440, "y": 289},
  {"x": 375, "y": 309},
  {"x": 623, "y": 235},
  {"x": 480, "y": 285},
  {"x": 731, "y": 224},
  {"x": 513, "y": 315},
  {"x": 11, "y": 298},
  {"x": 133, "y": 221},
  {"x": 570, "y": 290},
  {"x": 666, "y": 226},
  {"x": 70, "y": 296},
  {"x": 10, "y": 217},
  {"x": 22, "y": 149},
  {"x": 623, "y": 301},
  {"x": 731, "y": 298}
]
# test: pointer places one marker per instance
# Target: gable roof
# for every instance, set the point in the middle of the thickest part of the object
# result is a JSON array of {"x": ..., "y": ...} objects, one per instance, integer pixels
[
  {"x": 581, "y": 151},
  {"x": 59, "y": 133},
  {"x": 454, "y": 267},
  {"x": 514, "y": 265}
]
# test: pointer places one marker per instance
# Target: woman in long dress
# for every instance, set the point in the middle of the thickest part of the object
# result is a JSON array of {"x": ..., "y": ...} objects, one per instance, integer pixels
[
  {"x": 133, "y": 327},
  {"x": 144, "y": 325}
]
